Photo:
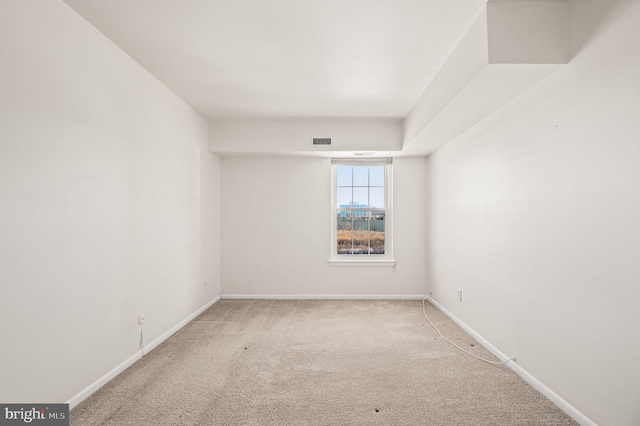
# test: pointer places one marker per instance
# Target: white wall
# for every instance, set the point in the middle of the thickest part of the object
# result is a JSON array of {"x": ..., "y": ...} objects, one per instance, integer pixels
[
  {"x": 276, "y": 228},
  {"x": 248, "y": 138},
  {"x": 100, "y": 219},
  {"x": 536, "y": 217}
]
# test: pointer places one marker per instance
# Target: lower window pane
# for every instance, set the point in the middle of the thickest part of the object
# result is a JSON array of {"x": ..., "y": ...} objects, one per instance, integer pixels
[
  {"x": 360, "y": 231},
  {"x": 345, "y": 225},
  {"x": 377, "y": 232},
  {"x": 360, "y": 242}
]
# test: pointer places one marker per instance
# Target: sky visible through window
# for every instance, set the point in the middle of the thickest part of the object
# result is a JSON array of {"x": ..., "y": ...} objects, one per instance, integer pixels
[{"x": 360, "y": 185}]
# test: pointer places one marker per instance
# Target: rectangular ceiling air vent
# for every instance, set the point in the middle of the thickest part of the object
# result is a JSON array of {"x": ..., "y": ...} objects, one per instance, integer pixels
[{"x": 322, "y": 141}]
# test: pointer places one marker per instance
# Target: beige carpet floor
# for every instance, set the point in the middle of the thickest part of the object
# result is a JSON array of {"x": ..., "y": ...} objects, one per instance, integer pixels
[{"x": 317, "y": 362}]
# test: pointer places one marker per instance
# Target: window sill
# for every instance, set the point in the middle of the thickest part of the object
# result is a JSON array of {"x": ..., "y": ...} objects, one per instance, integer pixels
[{"x": 361, "y": 262}]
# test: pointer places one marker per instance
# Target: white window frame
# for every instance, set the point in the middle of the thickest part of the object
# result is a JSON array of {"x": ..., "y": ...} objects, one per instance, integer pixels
[{"x": 385, "y": 259}]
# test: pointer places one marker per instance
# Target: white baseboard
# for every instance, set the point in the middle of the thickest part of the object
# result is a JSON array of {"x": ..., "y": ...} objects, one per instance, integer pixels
[
  {"x": 537, "y": 384},
  {"x": 85, "y": 393},
  {"x": 327, "y": 296}
]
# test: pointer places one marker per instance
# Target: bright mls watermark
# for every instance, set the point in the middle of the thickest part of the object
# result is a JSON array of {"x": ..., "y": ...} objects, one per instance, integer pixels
[{"x": 34, "y": 414}]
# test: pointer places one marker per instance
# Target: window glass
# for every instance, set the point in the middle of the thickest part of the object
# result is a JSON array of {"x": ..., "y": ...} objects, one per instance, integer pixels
[
  {"x": 376, "y": 176},
  {"x": 360, "y": 209},
  {"x": 344, "y": 196},
  {"x": 345, "y": 176},
  {"x": 360, "y": 197},
  {"x": 376, "y": 197},
  {"x": 360, "y": 175}
]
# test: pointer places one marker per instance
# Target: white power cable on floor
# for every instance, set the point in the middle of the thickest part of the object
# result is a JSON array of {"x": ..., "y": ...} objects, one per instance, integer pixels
[{"x": 424, "y": 312}]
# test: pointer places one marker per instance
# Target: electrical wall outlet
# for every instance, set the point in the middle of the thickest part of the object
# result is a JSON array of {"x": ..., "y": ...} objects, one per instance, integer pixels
[{"x": 459, "y": 295}]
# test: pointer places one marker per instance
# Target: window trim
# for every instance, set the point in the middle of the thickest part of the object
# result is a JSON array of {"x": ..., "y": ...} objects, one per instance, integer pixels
[{"x": 386, "y": 259}]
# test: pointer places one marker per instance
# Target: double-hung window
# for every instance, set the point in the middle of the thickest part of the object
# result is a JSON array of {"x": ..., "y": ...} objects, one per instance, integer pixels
[{"x": 361, "y": 212}]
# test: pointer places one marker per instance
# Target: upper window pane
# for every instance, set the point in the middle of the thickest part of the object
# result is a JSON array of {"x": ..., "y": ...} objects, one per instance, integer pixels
[
  {"x": 345, "y": 175},
  {"x": 376, "y": 175},
  {"x": 361, "y": 197},
  {"x": 376, "y": 197},
  {"x": 344, "y": 194},
  {"x": 360, "y": 175},
  {"x": 360, "y": 186}
]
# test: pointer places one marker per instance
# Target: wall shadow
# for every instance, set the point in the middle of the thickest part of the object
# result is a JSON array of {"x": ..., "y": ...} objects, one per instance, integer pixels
[{"x": 588, "y": 18}]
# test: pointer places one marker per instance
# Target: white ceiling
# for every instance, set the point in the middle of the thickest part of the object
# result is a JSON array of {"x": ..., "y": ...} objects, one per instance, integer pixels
[{"x": 283, "y": 59}]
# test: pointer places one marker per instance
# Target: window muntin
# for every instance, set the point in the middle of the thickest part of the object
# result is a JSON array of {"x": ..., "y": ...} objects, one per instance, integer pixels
[{"x": 361, "y": 209}]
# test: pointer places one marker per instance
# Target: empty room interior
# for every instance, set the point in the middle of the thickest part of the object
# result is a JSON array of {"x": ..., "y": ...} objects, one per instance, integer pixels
[{"x": 307, "y": 197}]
